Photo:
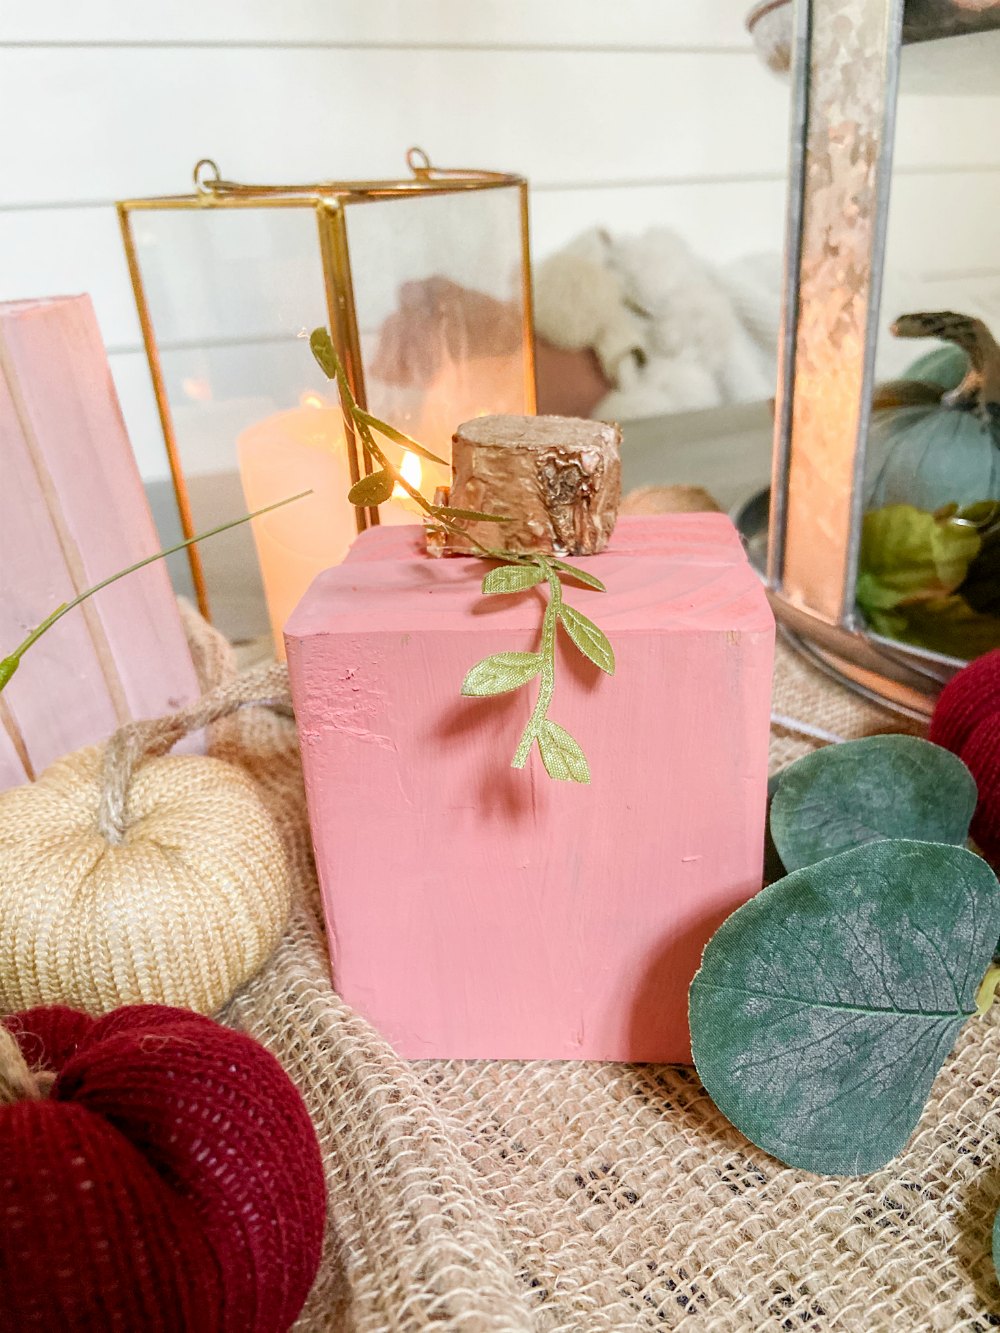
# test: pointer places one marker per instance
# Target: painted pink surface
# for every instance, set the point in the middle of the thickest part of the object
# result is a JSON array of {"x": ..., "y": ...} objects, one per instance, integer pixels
[
  {"x": 72, "y": 511},
  {"x": 477, "y": 911}
]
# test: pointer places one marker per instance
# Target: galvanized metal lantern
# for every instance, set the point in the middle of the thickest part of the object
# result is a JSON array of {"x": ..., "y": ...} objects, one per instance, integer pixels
[
  {"x": 425, "y": 285},
  {"x": 830, "y": 506}
]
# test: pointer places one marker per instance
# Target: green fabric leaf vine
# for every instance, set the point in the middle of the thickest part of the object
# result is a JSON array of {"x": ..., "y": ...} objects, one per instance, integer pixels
[
  {"x": 561, "y": 754},
  {"x": 861, "y": 791},
  {"x": 501, "y": 672},
  {"x": 825, "y": 1006},
  {"x": 469, "y": 515}
]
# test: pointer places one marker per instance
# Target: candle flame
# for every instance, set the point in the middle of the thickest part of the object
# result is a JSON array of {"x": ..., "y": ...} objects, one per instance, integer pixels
[{"x": 411, "y": 471}]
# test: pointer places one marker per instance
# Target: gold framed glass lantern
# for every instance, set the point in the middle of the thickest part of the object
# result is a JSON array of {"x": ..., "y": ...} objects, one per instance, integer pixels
[
  {"x": 884, "y": 528},
  {"x": 425, "y": 285}
]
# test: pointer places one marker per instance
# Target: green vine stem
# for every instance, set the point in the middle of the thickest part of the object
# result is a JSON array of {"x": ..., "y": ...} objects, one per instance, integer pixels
[
  {"x": 550, "y": 623},
  {"x": 562, "y": 756},
  {"x": 10, "y": 663}
]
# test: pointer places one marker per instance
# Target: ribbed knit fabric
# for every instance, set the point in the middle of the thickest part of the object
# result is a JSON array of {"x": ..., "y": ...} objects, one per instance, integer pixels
[
  {"x": 184, "y": 909},
  {"x": 967, "y": 721},
  {"x": 170, "y": 1183},
  {"x": 969, "y": 697}
]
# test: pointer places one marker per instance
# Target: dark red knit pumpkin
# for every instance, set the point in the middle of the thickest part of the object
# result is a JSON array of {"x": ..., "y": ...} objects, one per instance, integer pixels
[
  {"x": 171, "y": 1181},
  {"x": 966, "y": 721}
]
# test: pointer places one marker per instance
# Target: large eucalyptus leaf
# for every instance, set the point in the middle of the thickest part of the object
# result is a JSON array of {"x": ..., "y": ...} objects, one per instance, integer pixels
[
  {"x": 825, "y": 1006},
  {"x": 861, "y": 791}
]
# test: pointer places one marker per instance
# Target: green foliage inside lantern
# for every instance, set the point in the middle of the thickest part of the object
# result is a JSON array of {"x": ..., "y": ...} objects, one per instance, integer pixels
[{"x": 929, "y": 564}]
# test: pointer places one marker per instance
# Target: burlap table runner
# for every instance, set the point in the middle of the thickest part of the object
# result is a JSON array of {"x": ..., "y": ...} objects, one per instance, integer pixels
[{"x": 579, "y": 1197}]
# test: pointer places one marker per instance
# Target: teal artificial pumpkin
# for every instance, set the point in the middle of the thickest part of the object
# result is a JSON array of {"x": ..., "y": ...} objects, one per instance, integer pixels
[
  {"x": 929, "y": 444},
  {"x": 945, "y": 367}
]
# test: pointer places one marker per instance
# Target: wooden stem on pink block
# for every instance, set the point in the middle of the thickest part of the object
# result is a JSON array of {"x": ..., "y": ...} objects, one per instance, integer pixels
[{"x": 557, "y": 478}]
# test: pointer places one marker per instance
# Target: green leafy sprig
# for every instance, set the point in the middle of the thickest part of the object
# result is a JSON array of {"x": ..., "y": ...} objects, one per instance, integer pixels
[
  {"x": 562, "y": 756},
  {"x": 499, "y": 673},
  {"x": 931, "y": 579}
]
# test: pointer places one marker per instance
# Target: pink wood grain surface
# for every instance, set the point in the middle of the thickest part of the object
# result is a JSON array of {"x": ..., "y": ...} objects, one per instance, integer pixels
[
  {"x": 72, "y": 511},
  {"x": 477, "y": 911}
]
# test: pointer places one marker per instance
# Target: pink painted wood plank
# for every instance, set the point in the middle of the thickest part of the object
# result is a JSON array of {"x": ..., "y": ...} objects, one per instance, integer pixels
[
  {"x": 72, "y": 512},
  {"x": 59, "y": 692},
  {"x": 477, "y": 911}
]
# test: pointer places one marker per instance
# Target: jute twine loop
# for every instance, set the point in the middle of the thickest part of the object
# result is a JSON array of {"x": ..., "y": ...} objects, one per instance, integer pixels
[
  {"x": 17, "y": 1082},
  {"x": 136, "y": 742}
]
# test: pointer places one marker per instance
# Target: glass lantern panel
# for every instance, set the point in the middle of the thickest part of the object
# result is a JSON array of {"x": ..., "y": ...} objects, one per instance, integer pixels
[
  {"x": 929, "y": 561},
  {"x": 233, "y": 293},
  {"x": 439, "y": 294}
]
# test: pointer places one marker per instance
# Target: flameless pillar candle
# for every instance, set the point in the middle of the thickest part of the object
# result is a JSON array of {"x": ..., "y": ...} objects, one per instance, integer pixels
[{"x": 305, "y": 449}]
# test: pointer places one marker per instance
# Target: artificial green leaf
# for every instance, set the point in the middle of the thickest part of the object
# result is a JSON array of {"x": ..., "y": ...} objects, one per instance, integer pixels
[
  {"x": 824, "y": 1007},
  {"x": 472, "y": 515},
  {"x": 581, "y": 575},
  {"x": 590, "y": 640},
  {"x": 907, "y": 554},
  {"x": 321, "y": 346},
  {"x": 941, "y": 624},
  {"x": 374, "y": 489},
  {"x": 866, "y": 790},
  {"x": 512, "y": 578},
  {"x": 563, "y": 759},
  {"x": 400, "y": 437},
  {"x": 501, "y": 672}
]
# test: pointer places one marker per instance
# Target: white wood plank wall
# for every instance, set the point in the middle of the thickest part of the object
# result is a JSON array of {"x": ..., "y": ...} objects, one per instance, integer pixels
[{"x": 626, "y": 115}]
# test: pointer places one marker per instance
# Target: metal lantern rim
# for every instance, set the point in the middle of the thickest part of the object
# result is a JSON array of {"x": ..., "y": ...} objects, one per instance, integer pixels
[{"x": 216, "y": 191}]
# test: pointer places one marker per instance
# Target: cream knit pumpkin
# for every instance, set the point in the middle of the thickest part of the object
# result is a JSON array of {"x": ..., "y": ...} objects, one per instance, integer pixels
[{"x": 180, "y": 904}]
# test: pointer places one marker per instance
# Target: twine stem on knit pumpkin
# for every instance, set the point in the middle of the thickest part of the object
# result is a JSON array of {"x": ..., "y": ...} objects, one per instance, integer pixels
[
  {"x": 136, "y": 742},
  {"x": 17, "y": 1082}
]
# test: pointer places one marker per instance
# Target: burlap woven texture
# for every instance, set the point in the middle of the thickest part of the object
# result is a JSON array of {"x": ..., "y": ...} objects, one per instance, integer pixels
[{"x": 587, "y": 1197}]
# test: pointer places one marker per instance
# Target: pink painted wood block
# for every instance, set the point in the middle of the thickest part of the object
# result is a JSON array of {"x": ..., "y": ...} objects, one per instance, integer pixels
[
  {"x": 72, "y": 511},
  {"x": 477, "y": 911}
]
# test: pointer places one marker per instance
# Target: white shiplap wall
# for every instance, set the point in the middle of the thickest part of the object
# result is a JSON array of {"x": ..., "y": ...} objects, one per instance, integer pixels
[{"x": 627, "y": 115}]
